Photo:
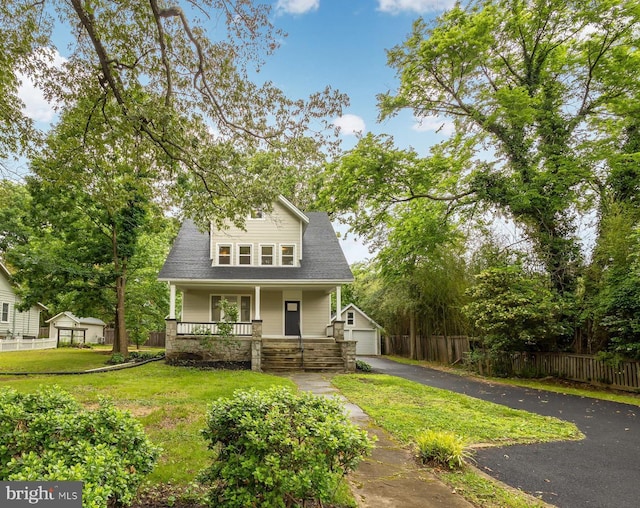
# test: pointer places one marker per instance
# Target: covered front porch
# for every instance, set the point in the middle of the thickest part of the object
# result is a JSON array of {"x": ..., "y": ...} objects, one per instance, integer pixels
[{"x": 284, "y": 322}]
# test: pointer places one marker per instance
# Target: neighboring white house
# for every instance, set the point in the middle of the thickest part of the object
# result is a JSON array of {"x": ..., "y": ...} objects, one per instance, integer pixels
[
  {"x": 15, "y": 324},
  {"x": 360, "y": 327},
  {"x": 70, "y": 329}
]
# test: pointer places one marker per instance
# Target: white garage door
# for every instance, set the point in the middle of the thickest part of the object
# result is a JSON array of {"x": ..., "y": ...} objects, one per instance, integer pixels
[{"x": 366, "y": 342}]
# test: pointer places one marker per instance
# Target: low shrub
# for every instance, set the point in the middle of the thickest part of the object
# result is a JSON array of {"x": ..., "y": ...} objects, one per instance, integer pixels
[
  {"x": 48, "y": 436},
  {"x": 141, "y": 356},
  {"x": 116, "y": 359},
  {"x": 363, "y": 366},
  {"x": 279, "y": 449},
  {"x": 443, "y": 449}
]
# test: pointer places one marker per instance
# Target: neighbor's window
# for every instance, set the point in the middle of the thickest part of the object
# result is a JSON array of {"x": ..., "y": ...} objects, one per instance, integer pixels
[
  {"x": 286, "y": 255},
  {"x": 224, "y": 254},
  {"x": 266, "y": 255},
  {"x": 244, "y": 255},
  {"x": 4, "y": 313},
  {"x": 351, "y": 318}
]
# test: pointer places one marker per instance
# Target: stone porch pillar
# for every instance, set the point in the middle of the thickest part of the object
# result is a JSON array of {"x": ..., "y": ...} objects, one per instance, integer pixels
[
  {"x": 256, "y": 345},
  {"x": 338, "y": 329},
  {"x": 170, "y": 338}
]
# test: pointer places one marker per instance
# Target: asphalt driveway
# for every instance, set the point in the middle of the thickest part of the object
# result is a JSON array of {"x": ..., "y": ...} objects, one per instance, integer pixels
[{"x": 601, "y": 471}]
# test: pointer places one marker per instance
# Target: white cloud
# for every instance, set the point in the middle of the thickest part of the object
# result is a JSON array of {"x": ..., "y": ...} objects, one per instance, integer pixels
[
  {"x": 350, "y": 125},
  {"x": 297, "y": 6},
  {"x": 419, "y": 6},
  {"x": 35, "y": 105},
  {"x": 435, "y": 124}
]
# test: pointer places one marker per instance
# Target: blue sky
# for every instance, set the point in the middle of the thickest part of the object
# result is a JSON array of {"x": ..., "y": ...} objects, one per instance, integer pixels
[
  {"x": 343, "y": 43},
  {"x": 340, "y": 43}
]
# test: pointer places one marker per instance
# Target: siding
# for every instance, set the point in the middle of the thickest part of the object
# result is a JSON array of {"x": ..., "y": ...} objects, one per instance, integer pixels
[
  {"x": 195, "y": 306},
  {"x": 278, "y": 227},
  {"x": 271, "y": 303},
  {"x": 315, "y": 313},
  {"x": 360, "y": 323},
  {"x": 20, "y": 323}
]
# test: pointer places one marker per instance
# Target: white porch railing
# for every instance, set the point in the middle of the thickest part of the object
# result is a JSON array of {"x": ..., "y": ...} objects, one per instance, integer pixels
[
  {"x": 239, "y": 329},
  {"x": 22, "y": 344}
]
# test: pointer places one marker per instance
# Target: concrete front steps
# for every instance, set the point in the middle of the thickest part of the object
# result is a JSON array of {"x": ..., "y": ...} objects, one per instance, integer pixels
[{"x": 317, "y": 355}]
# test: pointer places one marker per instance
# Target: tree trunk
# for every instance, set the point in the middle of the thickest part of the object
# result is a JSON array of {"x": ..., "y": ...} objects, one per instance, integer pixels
[
  {"x": 413, "y": 350},
  {"x": 120, "y": 340}
]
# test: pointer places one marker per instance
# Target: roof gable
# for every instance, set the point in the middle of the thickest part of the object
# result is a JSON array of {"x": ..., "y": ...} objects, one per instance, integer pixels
[{"x": 353, "y": 307}]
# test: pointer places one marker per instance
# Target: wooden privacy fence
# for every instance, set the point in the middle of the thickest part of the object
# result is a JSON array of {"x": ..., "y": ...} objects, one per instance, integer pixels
[
  {"x": 433, "y": 348},
  {"x": 156, "y": 339},
  {"x": 622, "y": 375}
]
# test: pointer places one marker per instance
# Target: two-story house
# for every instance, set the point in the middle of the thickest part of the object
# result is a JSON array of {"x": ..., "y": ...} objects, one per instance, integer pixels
[{"x": 280, "y": 271}]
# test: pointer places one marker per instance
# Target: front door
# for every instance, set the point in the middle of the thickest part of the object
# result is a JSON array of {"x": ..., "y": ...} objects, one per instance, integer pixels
[{"x": 292, "y": 318}]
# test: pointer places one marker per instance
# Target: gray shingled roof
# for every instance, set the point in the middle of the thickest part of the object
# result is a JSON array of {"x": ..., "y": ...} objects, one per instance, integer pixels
[{"x": 323, "y": 258}]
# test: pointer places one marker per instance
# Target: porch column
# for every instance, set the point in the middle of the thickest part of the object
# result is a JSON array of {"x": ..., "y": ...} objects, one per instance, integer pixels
[
  {"x": 338, "y": 303},
  {"x": 256, "y": 311},
  {"x": 172, "y": 301}
]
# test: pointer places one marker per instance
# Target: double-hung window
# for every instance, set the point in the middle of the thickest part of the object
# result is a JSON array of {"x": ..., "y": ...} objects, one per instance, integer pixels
[
  {"x": 266, "y": 255},
  {"x": 351, "y": 318},
  {"x": 244, "y": 254},
  {"x": 224, "y": 254},
  {"x": 4, "y": 312},
  {"x": 287, "y": 255}
]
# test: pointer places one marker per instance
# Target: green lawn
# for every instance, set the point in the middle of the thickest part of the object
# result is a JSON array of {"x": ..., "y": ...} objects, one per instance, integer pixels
[
  {"x": 549, "y": 384},
  {"x": 171, "y": 402},
  {"x": 53, "y": 360},
  {"x": 405, "y": 409}
]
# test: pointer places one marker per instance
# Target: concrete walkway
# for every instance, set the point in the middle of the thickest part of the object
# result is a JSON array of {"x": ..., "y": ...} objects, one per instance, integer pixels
[{"x": 390, "y": 477}]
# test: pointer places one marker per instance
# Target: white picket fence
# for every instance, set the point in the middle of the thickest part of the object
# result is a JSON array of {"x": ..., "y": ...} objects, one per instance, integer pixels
[{"x": 21, "y": 344}]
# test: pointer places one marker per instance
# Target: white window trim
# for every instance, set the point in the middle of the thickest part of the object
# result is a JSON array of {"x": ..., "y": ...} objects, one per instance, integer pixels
[
  {"x": 227, "y": 297},
  {"x": 351, "y": 314},
  {"x": 2, "y": 304},
  {"x": 262, "y": 212},
  {"x": 295, "y": 262},
  {"x": 239, "y": 246},
  {"x": 274, "y": 251},
  {"x": 217, "y": 258}
]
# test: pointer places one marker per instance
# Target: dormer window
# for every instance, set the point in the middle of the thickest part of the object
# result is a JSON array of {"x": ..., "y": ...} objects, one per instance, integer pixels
[
  {"x": 257, "y": 213},
  {"x": 244, "y": 254},
  {"x": 287, "y": 255},
  {"x": 266, "y": 255},
  {"x": 224, "y": 254}
]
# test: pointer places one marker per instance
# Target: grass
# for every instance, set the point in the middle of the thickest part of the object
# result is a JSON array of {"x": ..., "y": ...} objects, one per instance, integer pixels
[
  {"x": 549, "y": 384},
  {"x": 53, "y": 360},
  {"x": 406, "y": 409},
  {"x": 171, "y": 402}
]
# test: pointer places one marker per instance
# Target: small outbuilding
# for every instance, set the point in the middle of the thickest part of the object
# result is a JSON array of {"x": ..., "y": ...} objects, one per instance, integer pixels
[
  {"x": 360, "y": 327},
  {"x": 67, "y": 328}
]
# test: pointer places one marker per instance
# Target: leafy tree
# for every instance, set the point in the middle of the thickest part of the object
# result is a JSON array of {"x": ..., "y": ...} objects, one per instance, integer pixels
[
  {"x": 514, "y": 310},
  {"x": 181, "y": 85},
  {"x": 546, "y": 87},
  {"x": 92, "y": 193},
  {"x": 14, "y": 215}
]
